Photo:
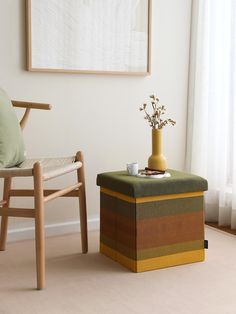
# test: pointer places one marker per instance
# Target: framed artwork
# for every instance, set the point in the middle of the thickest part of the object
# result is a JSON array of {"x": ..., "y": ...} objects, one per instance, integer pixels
[{"x": 89, "y": 36}]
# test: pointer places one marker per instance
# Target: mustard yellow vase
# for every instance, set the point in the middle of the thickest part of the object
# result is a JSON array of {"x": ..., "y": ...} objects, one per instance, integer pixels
[{"x": 157, "y": 160}]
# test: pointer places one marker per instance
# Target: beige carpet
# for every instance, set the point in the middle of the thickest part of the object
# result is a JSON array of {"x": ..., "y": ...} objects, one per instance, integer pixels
[{"x": 92, "y": 283}]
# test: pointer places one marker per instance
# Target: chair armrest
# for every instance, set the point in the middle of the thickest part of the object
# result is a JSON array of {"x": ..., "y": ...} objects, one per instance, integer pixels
[{"x": 30, "y": 105}]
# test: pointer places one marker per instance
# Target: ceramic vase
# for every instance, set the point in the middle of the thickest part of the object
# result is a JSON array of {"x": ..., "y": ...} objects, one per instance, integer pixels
[{"x": 157, "y": 160}]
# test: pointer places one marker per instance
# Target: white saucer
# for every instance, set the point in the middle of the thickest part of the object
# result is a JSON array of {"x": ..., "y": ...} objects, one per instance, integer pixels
[{"x": 155, "y": 176}]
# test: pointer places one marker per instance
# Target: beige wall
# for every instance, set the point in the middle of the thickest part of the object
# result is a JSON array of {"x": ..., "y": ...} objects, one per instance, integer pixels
[{"x": 99, "y": 113}]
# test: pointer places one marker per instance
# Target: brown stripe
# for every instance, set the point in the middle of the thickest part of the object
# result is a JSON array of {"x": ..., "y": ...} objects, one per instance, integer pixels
[
  {"x": 119, "y": 228},
  {"x": 152, "y": 232},
  {"x": 108, "y": 223},
  {"x": 169, "y": 230}
]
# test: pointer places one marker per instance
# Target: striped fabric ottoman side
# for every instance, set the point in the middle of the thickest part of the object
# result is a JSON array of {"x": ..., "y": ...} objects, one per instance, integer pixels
[
  {"x": 118, "y": 228},
  {"x": 169, "y": 230},
  {"x": 151, "y": 232}
]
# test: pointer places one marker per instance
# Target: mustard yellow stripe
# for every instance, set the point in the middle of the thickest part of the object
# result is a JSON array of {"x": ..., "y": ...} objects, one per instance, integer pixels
[
  {"x": 150, "y": 198},
  {"x": 123, "y": 260},
  {"x": 156, "y": 262},
  {"x": 171, "y": 260},
  {"x": 167, "y": 197},
  {"x": 118, "y": 195}
]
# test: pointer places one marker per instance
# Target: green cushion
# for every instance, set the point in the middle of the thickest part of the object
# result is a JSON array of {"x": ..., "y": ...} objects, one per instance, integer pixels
[
  {"x": 179, "y": 182},
  {"x": 12, "y": 150}
]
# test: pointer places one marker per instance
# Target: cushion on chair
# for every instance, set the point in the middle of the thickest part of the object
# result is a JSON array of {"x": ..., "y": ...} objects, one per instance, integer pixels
[{"x": 12, "y": 150}]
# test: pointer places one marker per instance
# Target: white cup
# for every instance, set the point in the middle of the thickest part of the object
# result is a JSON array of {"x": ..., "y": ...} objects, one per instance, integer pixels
[{"x": 132, "y": 168}]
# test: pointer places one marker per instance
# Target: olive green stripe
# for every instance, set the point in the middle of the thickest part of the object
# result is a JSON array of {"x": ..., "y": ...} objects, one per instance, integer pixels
[
  {"x": 152, "y": 252},
  {"x": 169, "y": 207},
  {"x": 151, "y": 209},
  {"x": 170, "y": 249},
  {"x": 118, "y": 206}
]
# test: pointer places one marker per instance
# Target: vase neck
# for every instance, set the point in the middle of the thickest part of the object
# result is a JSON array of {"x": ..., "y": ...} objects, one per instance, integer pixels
[{"x": 156, "y": 141}]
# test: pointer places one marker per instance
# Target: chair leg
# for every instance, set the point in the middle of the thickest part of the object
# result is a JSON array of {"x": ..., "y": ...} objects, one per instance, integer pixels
[
  {"x": 82, "y": 204},
  {"x": 39, "y": 225},
  {"x": 4, "y": 221}
]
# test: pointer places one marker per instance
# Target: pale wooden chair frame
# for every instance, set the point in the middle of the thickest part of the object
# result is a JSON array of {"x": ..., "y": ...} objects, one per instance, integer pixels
[{"x": 41, "y": 196}]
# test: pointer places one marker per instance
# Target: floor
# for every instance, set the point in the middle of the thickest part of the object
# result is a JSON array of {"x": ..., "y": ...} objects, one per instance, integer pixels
[
  {"x": 222, "y": 228},
  {"x": 93, "y": 283}
]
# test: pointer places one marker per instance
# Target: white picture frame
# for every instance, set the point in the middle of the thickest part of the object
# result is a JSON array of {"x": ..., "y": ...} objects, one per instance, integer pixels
[{"x": 89, "y": 36}]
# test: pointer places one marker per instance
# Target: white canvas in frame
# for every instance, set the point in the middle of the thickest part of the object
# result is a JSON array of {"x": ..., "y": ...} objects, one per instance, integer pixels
[{"x": 89, "y": 36}]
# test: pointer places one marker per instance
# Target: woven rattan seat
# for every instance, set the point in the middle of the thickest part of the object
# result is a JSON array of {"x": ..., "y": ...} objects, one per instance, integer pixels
[{"x": 52, "y": 167}]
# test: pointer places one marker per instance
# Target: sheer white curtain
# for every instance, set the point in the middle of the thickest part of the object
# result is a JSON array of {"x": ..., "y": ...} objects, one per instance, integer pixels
[{"x": 211, "y": 141}]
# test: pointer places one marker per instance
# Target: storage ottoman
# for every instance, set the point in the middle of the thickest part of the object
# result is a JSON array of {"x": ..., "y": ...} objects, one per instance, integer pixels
[{"x": 149, "y": 223}]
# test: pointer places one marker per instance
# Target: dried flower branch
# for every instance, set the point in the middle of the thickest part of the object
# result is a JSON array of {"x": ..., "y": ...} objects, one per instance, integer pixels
[{"x": 154, "y": 119}]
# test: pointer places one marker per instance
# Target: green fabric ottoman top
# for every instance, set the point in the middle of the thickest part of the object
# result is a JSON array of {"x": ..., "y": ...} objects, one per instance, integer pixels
[{"x": 178, "y": 182}]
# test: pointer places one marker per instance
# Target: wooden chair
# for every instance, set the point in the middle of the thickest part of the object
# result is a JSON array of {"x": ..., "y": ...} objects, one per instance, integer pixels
[{"x": 41, "y": 170}]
